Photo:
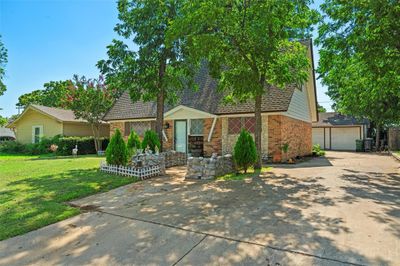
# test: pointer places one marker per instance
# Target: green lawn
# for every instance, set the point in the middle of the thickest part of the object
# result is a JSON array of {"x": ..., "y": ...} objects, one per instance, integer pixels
[
  {"x": 241, "y": 176},
  {"x": 33, "y": 189}
]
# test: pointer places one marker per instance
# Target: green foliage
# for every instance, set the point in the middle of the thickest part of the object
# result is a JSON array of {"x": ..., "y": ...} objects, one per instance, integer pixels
[
  {"x": 116, "y": 152},
  {"x": 360, "y": 59},
  {"x": 3, "y": 121},
  {"x": 133, "y": 143},
  {"x": 65, "y": 146},
  {"x": 151, "y": 140},
  {"x": 3, "y": 62},
  {"x": 157, "y": 71},
  {"x": 85, "y": 145},
  {"x": 89, "y": 99},
  {"x": 251, "y": 46},
  {"x": 245, "y": 153},
  {"x": 12, "y": 147},
  {"x": 321, "y": 109},
  {"x": 53, "y": 95},
  {"x": 285, "y": 147},
  {"x": 317, "y": 151}
]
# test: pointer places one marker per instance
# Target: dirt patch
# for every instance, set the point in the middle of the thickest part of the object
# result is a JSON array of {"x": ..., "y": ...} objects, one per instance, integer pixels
[{"x": 85, "y": 208}]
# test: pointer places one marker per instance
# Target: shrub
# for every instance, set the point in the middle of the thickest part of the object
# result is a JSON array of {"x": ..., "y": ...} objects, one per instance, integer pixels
[
  {"x": 317, "y": 151},
  {"x": 64, "y": 146},
  {"x": 116, "y": 152},
  {"x": 85, "y": 145},
  {"x": 133, "y": 143},
  {"x": 12, "y": 147},
  {"x": 151, "y": 140},
  {"x": 245, "y": 153}
]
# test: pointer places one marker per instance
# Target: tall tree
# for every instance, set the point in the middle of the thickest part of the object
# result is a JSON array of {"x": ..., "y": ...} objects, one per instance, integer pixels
[
  {"x": 90, "y": 99},
  {"x": 360, "y": 58},
  {"x": 3, "y": 62},
  {"x": 321, "y": 109},
  {"x": 251, "y": 46},
  {"x": 3, "y": 121},
  {"x": 156, "y": 72},
  {"x": 52, "y": 95}
]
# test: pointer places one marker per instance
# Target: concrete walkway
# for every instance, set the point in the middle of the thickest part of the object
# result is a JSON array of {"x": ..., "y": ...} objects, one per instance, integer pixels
[{"x": 342, "y": 209}]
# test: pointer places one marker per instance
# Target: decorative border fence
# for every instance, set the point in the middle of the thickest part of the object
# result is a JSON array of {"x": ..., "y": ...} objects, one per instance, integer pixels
[{"x": 142, "y": 173}]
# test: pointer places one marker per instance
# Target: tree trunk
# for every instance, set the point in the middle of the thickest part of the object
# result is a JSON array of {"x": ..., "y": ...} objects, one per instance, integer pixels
[
  {"x": 160, "y": 117},
  {"x": 160, "y": 102},
  {"x": 377, "y": 137},
  {"x": 96, "y": 137},
  {"x": 258, "y": 130}
]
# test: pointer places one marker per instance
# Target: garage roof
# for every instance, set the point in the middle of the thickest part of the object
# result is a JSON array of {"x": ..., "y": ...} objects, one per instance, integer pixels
[{"x": 332, "y": 119}]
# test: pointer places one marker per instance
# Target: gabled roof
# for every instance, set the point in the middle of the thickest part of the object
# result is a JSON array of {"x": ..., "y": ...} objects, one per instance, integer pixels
[
  {"x": 6, "y": 132},
  {"x": 206, "y": 99},
  {"x": 332, "y": 119},
  {"x": 60, "y": 115}
]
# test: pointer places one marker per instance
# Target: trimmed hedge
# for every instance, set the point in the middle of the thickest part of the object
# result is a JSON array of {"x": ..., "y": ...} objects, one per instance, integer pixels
[
  {"x": 65, "y": 146},
  {"x": 85, "y": 145}
]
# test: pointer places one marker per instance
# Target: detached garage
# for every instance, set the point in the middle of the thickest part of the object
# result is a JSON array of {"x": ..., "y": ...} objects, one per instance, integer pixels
[{"x": 334, "y": 131}]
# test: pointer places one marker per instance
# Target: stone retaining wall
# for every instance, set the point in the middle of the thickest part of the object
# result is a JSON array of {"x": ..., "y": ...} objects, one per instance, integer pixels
[
  {"x": 209, "y": 168},
  {"x": 174, "y": 158}
]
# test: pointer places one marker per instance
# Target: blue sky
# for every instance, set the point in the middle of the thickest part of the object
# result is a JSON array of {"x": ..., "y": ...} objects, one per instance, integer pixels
[{"x": 54, "y": 39}]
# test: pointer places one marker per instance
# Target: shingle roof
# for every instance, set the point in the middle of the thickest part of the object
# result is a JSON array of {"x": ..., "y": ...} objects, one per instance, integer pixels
[
  {"x": 60, "y": 114},
  {"x": 6, "y": 132},
  {"x": 331, "y": 119},
  {"x": 206, "y": 99}
]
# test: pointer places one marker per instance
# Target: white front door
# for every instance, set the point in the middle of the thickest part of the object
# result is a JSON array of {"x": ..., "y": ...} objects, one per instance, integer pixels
[{"x": 180, "y": 135}]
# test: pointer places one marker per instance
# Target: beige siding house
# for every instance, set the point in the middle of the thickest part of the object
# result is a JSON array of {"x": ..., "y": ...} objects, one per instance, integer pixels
[
  {"x": 201, "y": 124},
  {"x": 41, "y": 121}
]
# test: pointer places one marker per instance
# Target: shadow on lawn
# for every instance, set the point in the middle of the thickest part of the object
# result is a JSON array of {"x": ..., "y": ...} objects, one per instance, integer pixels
[{"x": 31, "y": 203}]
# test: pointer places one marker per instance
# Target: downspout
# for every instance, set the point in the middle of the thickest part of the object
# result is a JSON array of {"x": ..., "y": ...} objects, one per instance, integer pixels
[{"x": 212, "y": 129}]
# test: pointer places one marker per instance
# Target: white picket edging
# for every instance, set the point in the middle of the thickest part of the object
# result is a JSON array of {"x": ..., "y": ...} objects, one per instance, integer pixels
[{"x": 142, "y": 173}]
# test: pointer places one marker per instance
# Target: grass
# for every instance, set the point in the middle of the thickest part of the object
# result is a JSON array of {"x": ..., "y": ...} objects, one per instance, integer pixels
[
  {"x": 241, "y": 176},
  {"x": 34, "y": 189},
  {"x": 397, "y": 152}
]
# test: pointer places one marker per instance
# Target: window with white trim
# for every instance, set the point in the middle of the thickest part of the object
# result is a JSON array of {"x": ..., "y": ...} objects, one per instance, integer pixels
[{"x": 37, "y": 133}]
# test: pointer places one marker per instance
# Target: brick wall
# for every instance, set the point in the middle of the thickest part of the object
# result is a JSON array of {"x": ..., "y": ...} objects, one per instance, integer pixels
[
  {"x": 120, "y": 126},
  {"x": 229, "y": 140},
  {"x": 296, "y": 133},
  {"x": 215, "y": 144},
  {"x": 169, "y": 132}
]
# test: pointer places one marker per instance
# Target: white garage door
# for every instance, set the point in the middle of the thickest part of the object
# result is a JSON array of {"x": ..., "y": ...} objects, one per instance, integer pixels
[
  {"x": 318, "y": 136},
  {"x": 345, "y": 138}
]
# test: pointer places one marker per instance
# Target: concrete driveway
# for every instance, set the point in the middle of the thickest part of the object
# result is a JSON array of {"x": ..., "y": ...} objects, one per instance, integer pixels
[{"x": 342, "y": 209}]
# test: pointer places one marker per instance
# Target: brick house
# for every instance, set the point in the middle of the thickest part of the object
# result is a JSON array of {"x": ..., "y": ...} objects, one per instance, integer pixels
[{"x": 201, "y": 124}]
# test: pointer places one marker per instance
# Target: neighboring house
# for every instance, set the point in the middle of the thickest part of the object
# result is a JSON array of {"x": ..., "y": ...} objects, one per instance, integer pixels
[
  {"x": 334, "y": 131},
  {"x": 41, "y": 121},
  {"x": 6, "y": 134},
  {"x": 200, "y": 124}
]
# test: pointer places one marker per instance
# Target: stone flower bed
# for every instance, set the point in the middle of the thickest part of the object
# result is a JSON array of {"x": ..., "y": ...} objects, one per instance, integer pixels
[
  {"x": 146, "y": 165},
  {"x": 209, "y": 168}
]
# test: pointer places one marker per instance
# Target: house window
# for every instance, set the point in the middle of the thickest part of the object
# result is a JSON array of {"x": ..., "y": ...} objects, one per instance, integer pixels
[
  {"x": 37, "y": 133},
  {"x": 196, "y": 126},
  {"x": 236, "y": 124},
  {"x": 139, "y": 127}
]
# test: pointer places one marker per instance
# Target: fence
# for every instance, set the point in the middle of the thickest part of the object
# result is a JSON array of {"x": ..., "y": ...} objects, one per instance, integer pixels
[{"x": 142, "y": 173}]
